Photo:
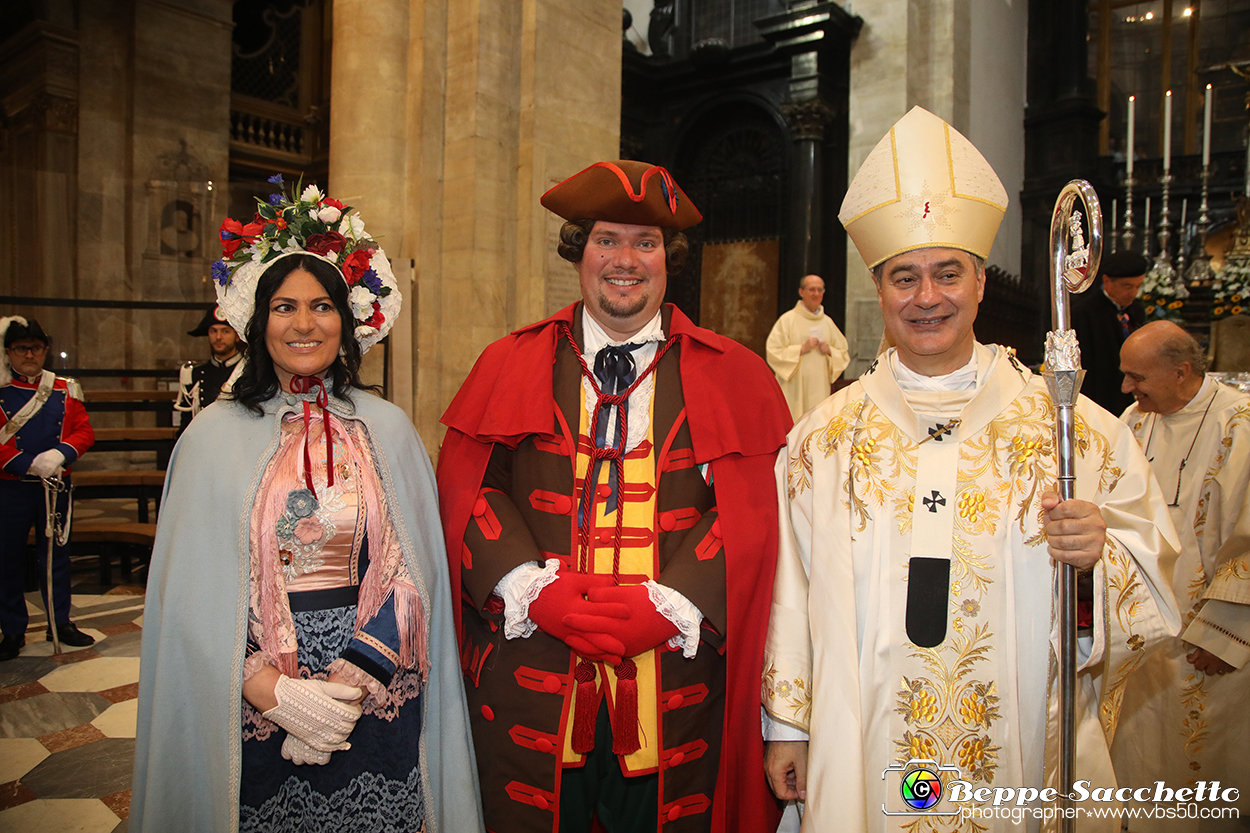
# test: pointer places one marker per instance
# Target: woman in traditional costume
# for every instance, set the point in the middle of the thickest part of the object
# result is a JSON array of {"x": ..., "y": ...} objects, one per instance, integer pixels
[{"x": 299, "y": 669}]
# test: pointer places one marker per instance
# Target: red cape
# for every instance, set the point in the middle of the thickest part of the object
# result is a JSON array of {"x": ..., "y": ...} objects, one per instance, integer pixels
[{"x": 738, "y": 420}]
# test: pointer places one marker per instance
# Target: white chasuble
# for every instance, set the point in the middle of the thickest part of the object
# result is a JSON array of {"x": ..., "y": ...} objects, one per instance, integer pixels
[
  {"x": 1178, "y": 724},
  {"x": 868, "y": 487},
  {"x": 805, "y": 378}
]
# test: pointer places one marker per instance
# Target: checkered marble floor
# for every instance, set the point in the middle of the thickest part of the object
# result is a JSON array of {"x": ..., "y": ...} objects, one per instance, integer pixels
[{"x": 67, "y": 722}]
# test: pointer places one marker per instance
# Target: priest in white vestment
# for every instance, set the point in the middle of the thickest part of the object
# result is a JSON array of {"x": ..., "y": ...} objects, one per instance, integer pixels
[
  {"x": 806, "y": 349},
  {"x": 1185, "y": 718},
  {"x": 912, "y": 611}
]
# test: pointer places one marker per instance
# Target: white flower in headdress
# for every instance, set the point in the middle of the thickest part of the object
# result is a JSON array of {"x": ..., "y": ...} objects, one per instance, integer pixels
[
  {"x": 311, "y": 194},
  {"x": 362, "y": 332},
  {"x": 352, "y": 226},
  {"x": 361, "y": 300},
  {"x": 328, "y": 214}
]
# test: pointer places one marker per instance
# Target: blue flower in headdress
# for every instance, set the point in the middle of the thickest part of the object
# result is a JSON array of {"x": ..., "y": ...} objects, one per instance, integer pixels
[
  {"x": 276, "y": 179},
  {"x": 301, "y": 503},
  {"x": 221, "y": 272},
  {"x": 371, "y": 280},
  {"x": 276, "y": 199},
  {"x": 285, "y": 527}
]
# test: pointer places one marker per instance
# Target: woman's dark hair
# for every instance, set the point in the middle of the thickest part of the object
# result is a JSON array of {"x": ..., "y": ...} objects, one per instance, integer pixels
[
  {"x": 259, "y": 381},
  {"x": 575, "y": 233}
]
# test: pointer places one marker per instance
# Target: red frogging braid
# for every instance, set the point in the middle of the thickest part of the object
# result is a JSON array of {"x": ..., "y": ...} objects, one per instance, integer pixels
[{"x": 614, "y": 454}]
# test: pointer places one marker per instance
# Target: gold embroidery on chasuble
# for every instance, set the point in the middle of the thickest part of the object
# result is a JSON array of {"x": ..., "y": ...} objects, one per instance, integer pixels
[
  {"x": 947, "y": 701},
  {"x": 795, "y": 694},
  {"x": 638, "y": 562}
]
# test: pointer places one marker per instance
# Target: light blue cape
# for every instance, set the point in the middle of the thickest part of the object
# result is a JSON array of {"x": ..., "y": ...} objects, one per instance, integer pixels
[{"x": 188, "y": 738}]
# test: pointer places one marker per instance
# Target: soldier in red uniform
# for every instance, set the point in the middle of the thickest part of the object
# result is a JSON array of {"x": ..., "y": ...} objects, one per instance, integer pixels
[
  {"x": 43, "y": 430},
  {"x": 612, "y": 534}
]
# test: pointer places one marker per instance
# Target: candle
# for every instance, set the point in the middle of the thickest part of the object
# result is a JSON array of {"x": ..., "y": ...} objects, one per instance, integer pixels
[
  {"x": 1184, "y": 211},
  {"x": 1114, "y": 223},
  {"x": 1167, "y": 131},
  {"x": 1206, "y": 130},
  {"x": 1145, "y": 228},
  {"x": 1132, "y": 106}
]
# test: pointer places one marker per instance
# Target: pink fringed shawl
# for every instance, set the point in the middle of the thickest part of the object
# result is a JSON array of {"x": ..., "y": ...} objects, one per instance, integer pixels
[{"x": 270, "y": 622}]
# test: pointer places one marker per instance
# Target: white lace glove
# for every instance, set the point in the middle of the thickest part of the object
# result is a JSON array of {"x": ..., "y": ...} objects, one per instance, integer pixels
[
  {"x": 315, "y": 712},
  {"x": 47, "y": 463},
  {"x": 300, "y": 753}
]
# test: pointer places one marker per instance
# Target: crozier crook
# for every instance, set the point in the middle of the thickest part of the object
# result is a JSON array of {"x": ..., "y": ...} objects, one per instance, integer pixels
[{"x": 1073, "y": 267}]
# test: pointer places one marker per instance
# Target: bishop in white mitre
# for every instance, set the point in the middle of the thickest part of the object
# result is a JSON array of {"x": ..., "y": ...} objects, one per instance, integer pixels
[
  {"x": 912, "y": 612},
  {"x": 1184, "y": 719}
]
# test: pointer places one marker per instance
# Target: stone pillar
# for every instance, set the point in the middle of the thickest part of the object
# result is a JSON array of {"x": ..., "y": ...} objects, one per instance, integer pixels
[
  {"x": 369, "y": 91},
  {"x": 506, "y": 99},
  {"x": 817, "y": 36},
  {"x": 808, "y": 121},
  {"x": 1060, "y": 136},
  {"x": 38, "y": 156}
]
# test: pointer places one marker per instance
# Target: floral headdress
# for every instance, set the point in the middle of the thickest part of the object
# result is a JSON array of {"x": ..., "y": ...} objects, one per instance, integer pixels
[{"x": 311, "y": 224}]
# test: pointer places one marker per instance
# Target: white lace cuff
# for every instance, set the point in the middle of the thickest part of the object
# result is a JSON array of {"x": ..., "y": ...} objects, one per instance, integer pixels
[
  {"x": 519, "y": 589},
  {"x": 679, "y": 610}
]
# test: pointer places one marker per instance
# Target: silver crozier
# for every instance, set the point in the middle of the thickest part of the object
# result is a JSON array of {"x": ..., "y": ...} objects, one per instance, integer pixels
[{"x": 1073, "y": 267}]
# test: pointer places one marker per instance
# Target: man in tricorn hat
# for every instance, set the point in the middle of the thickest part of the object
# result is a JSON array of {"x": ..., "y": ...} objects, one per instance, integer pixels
[
  {"x": 912, "y": 615},
  {"x": 604, "y": 487},
  {"x": 43, "y": 430},
  {"x": 199, "y": 388}
]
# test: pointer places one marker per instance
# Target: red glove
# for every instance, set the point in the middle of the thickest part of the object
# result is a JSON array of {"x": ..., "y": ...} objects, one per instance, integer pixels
[
  {"x": 641, "y": 629},
  {"x": 565, "y": 598}
]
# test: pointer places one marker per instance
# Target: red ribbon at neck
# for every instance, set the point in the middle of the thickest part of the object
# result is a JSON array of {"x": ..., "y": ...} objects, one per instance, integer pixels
[{"x": 305, "y": 384}]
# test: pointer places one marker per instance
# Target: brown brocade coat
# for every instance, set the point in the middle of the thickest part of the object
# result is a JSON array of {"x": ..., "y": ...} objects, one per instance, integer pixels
[{"x": 519, "y": 690}]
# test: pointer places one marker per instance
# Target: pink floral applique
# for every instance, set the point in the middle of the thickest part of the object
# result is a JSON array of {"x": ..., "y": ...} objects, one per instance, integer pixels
[{"x": 308, "y": 531}]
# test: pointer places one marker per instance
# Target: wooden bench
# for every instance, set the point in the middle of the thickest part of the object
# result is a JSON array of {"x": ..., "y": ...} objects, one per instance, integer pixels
[
  {"x": 160, "y": 440},
  {"x": 111, "y": 540},
  {"x": 104, "y": 399},
  {"x": 142, "y": 485}
]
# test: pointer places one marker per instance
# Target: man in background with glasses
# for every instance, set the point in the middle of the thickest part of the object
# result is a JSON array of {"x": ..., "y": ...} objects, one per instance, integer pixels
[
  {"x": 1185, "y": 719},
  {"x": 43, "y": 430}
]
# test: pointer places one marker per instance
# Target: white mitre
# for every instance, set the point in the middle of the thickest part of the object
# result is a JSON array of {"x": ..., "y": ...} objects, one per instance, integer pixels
[{"x": 923, "y": 185}]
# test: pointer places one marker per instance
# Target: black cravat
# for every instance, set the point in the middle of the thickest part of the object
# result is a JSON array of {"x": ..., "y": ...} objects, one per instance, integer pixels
[{"x": 615, "y": 370}]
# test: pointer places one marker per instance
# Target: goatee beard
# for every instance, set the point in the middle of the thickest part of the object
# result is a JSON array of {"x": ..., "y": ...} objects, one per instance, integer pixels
[{"x": 617, "y": 311}]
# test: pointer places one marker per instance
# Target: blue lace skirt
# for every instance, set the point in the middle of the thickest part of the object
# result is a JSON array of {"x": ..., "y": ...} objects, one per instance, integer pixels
[{"x": 374, "y": 787}]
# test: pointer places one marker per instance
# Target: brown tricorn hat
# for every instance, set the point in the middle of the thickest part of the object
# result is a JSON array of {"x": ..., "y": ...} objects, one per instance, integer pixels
[{"x": 623, "y": 191}]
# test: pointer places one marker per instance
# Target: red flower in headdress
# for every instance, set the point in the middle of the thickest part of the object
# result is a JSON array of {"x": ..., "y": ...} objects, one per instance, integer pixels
[
  {"x": 356, "y": 264},
  {"x": 233, "y": 233},
  {"x": 375, "y": 321},
  {"x": 323, "y": 244},
  {"x": 331, "y": 201}
]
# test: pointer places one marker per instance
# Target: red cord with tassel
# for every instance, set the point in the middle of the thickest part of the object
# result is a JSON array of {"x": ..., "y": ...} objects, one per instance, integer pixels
[
  {"x": 305, "y": 384},
  {"x": 625, "y": 727},
  {"x": 587, "y": 708}
]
